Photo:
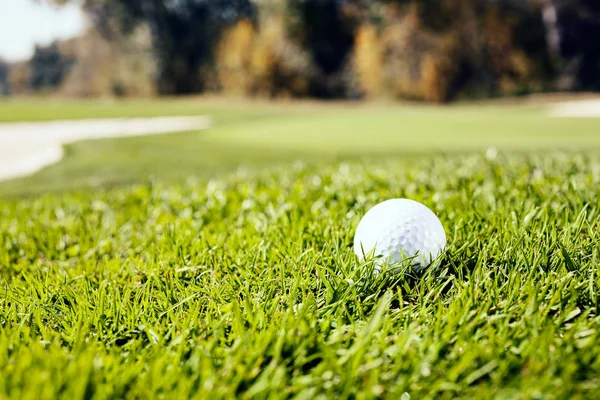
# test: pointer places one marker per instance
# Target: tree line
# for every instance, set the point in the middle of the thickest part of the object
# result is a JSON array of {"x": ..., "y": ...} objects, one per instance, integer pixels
[{"x": 434, "y": 50}]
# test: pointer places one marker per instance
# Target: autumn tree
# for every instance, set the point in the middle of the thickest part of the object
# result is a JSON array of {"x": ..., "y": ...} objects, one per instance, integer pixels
[
  {"x": 184, "y": 33},
  {"x": 483, "y": 47}
]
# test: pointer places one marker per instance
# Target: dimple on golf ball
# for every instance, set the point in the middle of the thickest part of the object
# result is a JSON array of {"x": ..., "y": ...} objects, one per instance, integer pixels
[{"x": 399, "y": 229}]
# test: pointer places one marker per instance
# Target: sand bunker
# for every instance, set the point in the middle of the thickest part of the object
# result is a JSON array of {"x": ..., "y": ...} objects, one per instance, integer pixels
[{"x": 25, "y": 148}]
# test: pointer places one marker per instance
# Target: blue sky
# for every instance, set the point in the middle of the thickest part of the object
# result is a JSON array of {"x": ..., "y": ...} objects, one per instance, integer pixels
[{"x": 23, "y": 23}]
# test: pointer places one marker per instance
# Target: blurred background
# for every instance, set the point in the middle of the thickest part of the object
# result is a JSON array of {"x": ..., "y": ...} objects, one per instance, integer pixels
[{"x": 430, "y": 50}]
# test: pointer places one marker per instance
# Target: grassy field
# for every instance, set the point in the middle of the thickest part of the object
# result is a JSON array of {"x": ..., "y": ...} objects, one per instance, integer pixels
[
  {"x": 264, "y": 134},
  {"x": 214, "y": 281}
]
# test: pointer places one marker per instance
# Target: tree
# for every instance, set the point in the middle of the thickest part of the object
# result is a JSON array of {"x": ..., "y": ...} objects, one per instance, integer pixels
[
  {"x": 184, "y": 33},
  {"x": 325, "y": 31},
  {"x": 48, "y": 67},
  {"x": 483, "y": 47},
  {"x": 4, "y": 71},
  {"x": 576, "y": 31}
]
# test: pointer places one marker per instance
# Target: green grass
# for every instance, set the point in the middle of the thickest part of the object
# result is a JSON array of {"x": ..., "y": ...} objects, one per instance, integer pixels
[
  {"x": 247, "y": 286},
  {"x": 266, "y": 133},
  {"x": 39, "y": 109},
  {"x": 241, "y": 282}
]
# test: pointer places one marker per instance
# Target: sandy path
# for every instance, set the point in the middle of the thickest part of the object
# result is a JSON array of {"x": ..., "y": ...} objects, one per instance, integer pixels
[
  {"x": 577, "y": 109},
  {"x": 25, "y": 148}
]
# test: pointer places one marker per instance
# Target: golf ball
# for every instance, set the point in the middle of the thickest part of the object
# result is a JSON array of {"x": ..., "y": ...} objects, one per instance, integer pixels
[{"x": 397, "y": 229}]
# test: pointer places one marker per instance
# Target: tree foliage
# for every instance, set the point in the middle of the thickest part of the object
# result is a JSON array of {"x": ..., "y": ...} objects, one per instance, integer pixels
[
  {"x": 578, "y": 22},
  {"x": 184, "y": 33},
  {"x": 4, "y": 71},
  {"x": 48, "y": 67},
  {"x": 445, "y": 47}
]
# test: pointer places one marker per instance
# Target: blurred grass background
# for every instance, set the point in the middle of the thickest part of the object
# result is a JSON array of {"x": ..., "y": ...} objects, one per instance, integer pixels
[{"x": 265, "y": 133}]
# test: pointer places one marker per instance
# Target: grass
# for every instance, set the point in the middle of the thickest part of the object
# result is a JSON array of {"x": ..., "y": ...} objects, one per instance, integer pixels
[
  {"x": 264, "y": 134},
  {"x": 247, "y": 286},
  {"x": 244, "y": 283},
  {"x": 40, "y": 109}
]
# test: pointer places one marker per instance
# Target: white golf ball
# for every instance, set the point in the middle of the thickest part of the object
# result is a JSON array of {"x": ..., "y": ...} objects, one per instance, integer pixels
[{"x": 397, "y": 229}]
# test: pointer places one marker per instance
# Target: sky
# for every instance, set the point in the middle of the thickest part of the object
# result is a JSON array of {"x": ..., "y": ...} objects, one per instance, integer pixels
[{"x": 23, "y": 23}]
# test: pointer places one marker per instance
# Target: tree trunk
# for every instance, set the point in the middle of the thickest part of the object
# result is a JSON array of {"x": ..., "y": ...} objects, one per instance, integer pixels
[{"x": 553, "y": 32}]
